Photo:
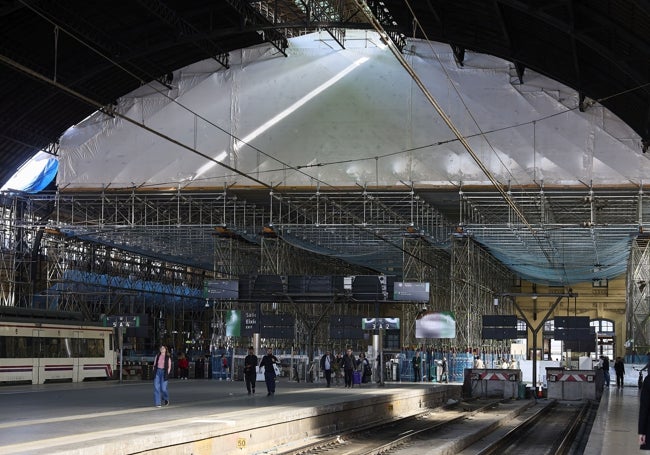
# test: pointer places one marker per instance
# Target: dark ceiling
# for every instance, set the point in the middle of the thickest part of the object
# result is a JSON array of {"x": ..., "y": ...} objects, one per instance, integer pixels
[{"x": 62, "y": 60}]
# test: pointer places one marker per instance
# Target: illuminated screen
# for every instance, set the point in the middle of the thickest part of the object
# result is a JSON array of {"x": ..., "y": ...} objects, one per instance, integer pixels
[
  {"x": 233, "y": 323},
  {"x": 380, "y": 323},
  {"x": 436, "y": 325}
]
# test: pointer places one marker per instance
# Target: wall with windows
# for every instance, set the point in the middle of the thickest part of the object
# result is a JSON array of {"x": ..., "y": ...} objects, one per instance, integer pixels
[{"x": 603, "y": 301}]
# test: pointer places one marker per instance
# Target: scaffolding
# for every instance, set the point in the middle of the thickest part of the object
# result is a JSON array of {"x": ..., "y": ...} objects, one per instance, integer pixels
[
  {"x": 638, "y": 297},
  {"x": 18, "y": 253},
  {"x": 151, "y": 253},
  {"x": 476, "y": 279},
  {"x": 424, "y": 262}
]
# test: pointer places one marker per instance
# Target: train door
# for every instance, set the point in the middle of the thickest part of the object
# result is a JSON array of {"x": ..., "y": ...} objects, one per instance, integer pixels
[
  {"x": 75, "y": 356},
  {"x": 38, "y": 360}
]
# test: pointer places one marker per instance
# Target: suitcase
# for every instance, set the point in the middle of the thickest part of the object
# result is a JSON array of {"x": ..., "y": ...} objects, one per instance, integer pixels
[{"x": 356, "y": 377}]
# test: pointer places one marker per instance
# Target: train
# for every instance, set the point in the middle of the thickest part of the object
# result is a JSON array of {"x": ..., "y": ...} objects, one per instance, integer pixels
[{"x": 39, "y": 346}]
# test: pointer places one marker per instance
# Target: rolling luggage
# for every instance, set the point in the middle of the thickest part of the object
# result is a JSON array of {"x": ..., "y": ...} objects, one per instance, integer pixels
[{"x": 356, "y": 377}]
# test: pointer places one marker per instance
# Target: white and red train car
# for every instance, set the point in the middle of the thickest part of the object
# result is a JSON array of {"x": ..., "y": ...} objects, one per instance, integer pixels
[{"x": 38, "y": 350}]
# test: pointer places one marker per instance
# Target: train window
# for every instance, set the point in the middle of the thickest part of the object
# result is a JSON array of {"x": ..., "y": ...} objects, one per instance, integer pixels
[
  {"x": 15, "y": 347},
  {"x": 90, "y": 347},
  {"x": 54, "y": 348}
]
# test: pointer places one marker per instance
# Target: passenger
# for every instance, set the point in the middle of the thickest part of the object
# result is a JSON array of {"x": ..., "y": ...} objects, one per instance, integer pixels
[
  {"x": 478, "y": 363},
  {"x": 268, "y": 362},
  {"x": 326, "y": 365},
  {"x": 338, "y": 362},
  {"x": 183, "y": 366},
  {"x": 224, "y": 367},
  {"x": 619, "y": 368},
  {"x": 417, "y": 367},
  {"x": 364, "y": 368},
  {"x": 162, "y": 366},
  {"x": 644, "y": 415},
  {"x": 505, "y": 364},
  {"x": 379, "y": 366},
  {"x": 605, "y": 365},
  {"x": 250, "y": 370},
  {"x": 513, "y": 364},
  {"x": 445, "y": 374},
  {"x": 349, "y": 364}
]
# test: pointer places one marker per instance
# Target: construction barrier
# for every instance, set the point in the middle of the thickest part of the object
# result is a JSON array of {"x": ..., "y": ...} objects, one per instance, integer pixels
[
  {"x": 565, "y": 384},
  {"x": 490, "y": 383}
]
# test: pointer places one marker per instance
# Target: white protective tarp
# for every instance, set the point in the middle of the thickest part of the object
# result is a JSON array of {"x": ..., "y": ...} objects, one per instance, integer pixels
[{"x": 346, "y": 117}]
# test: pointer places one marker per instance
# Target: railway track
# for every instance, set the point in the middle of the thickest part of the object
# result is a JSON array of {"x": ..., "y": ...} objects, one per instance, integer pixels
[{"x": 480, "y": 427}]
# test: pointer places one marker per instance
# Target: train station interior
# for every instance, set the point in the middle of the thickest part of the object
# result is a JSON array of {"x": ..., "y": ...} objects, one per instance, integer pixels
[{"x": 392, "y": 176}]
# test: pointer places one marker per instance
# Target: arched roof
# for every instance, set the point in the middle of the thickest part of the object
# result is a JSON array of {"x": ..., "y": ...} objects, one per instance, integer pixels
[{"x": 103, "y": 50}]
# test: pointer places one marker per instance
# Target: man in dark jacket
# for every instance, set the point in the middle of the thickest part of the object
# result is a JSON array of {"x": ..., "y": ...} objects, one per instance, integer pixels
[
  {"x": 349, "y": 365},
  {"x": 644, "y": 415},
  {"x": 619, "y": 368},
  {"x": 268, "y": 362},
  {"x": 250, "y": 370}
]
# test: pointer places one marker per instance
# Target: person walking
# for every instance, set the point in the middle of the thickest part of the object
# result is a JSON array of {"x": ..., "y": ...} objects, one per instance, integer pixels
[
  {"x": 349, "y": 365},
  {"x": 162, "y": 366},
  {"x": 326, "y": 365},
  {"x": 444, "y": 373},
  {"x": 268, "y": 362},
  {"x": 417, "y": 367},
  {"x": 250, "y": 370},
  {"x": 619, "y": 368}
]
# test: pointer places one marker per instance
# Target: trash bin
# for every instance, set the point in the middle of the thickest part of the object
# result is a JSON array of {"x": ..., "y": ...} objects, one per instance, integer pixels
[{"x": 522, "y": 391}]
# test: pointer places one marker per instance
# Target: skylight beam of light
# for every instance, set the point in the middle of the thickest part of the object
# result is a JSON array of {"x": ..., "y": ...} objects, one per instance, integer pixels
[{"x": 285, "y": 113}]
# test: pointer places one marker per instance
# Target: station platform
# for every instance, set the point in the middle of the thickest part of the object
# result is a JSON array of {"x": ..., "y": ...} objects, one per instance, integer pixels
[
  {"x": 203, "y": 417},
  {"x": 615, "y": 427},
  {"x": 208, "y": 416}
]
